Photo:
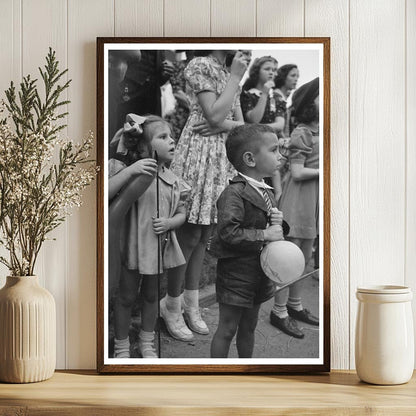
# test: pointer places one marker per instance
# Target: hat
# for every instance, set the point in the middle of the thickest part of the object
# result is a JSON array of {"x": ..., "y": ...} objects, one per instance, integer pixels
[{"x": 305, "y": 95}]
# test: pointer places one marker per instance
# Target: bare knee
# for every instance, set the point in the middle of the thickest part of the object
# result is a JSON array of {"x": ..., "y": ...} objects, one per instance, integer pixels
[
  {"x": 247, "y": 327},
  {"x": 150, "y": 296},
  {"x": 248, "y": 321},
  {"x": 227, "y": 330},
  {"x": 189, "y": 236},
  {"x": 192, "y": 240},
  {"x": 127, "y": 298}
]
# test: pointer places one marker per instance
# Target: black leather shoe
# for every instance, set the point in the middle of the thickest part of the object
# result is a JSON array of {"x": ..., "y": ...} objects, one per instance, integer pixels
[
  {"x": 304, "y": 316},
  {"x": 286, "y": 325}
]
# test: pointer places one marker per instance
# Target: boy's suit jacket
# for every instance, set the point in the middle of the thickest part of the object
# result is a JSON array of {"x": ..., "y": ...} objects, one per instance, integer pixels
[{"x": 242, "y": 214}]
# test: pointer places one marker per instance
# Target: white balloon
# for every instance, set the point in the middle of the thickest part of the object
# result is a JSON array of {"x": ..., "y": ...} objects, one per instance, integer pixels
[{"x": 282, "y": 261}]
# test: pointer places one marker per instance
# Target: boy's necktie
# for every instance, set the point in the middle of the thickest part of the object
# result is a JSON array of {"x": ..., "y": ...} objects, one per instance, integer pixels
[{"x": 267, "y": 199}]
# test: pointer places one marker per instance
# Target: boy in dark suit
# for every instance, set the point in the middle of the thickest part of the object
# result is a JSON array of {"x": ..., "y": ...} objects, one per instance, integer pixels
[{"x": 247, "y": 220}]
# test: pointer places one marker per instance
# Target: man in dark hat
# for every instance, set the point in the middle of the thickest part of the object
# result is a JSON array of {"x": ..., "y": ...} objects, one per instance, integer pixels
[{"x": 140, "y": 88}]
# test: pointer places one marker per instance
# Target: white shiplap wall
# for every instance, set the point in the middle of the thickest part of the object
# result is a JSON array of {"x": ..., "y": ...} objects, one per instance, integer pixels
[{"x": 373, "y": 120}]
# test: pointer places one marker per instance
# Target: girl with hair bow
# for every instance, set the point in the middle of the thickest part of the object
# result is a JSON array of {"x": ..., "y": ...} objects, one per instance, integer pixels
[{"x": 134, "y": 229}]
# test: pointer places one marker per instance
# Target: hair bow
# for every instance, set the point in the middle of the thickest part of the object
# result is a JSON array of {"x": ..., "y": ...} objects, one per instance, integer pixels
[{"x": 133, "y": 126}]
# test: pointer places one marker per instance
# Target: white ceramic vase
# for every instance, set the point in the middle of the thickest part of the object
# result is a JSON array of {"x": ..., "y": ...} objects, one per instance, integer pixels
[
  {"x": 384, "y": 338},
  {"x": 27, "y": 331}
]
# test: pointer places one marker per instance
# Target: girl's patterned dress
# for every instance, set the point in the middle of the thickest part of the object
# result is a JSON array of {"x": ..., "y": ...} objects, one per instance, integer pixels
[
  {"x": 272, "y": 110},
  {"x": 281, "y": 104},
  {"x": 202, "y": 161}
]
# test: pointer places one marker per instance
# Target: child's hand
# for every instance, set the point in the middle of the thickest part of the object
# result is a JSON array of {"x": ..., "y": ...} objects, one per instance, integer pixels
[
  {"x": 161, "y": 225},
  {"x": 273, "y": 233},
  {"x": 205, "y": 129},
  {"x": 143, "y": 167},
  {"x": 276, "y": 217},
  {"x": 239, "y": 65},
  {"x": 266, "y": 87}
]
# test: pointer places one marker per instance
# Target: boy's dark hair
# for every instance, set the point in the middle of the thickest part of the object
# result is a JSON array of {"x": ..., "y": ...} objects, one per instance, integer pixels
[{"x": 245, "y": 138}]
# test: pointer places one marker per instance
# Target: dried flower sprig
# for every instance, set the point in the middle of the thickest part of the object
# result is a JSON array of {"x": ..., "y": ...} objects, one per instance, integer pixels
[{"x": 41, "y": 176}]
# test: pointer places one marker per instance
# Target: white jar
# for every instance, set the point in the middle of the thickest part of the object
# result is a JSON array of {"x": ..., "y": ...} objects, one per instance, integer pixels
[{"x": 384, "y": 337}]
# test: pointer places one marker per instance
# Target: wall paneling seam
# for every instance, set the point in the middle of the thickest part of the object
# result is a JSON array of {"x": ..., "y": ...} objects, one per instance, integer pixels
[
  {"x": 304, "y": 17},
  {"x": 349, "y": 185},
  {"x": 405, "y": 145},
  {"x": 210, "y": 20},
  {"x": 66, "y": 221},
  {"x": 21, "y": 39}
]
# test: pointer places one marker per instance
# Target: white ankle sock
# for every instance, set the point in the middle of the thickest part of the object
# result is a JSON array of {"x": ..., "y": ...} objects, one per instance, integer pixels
[
  {"x": 146, "y": 335},
  {"x": 121, "y": 344},
  {"x": 173, "y": 304},
  {"x": 295, "y": 303},
  {"x": 191, "y": 298},
  {"x": 146, "y": 344},
  {"x": 280, "y": 310}
]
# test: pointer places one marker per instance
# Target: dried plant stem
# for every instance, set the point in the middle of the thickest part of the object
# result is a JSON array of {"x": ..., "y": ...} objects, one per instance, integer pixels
[{"x": 36, "y": 194}]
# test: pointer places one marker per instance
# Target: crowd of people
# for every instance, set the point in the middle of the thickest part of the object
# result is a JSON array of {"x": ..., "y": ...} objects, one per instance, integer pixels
[{"x": 205, "y": 148}]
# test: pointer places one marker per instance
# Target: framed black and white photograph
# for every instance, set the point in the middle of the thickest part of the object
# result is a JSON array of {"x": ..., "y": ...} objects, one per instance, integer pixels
[{"x": 213, "y": 217}]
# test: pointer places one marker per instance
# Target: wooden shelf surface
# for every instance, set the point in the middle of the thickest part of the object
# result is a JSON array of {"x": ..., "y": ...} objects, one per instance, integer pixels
[{"x": 87, "y": 393}]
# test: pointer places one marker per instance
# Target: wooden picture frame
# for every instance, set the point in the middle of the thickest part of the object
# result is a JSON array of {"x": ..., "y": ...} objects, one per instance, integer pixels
[{"x": 313, "y": 55}]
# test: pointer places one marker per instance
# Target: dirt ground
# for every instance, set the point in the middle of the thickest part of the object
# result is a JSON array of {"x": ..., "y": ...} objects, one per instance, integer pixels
[{"x": 270, "y": 342}]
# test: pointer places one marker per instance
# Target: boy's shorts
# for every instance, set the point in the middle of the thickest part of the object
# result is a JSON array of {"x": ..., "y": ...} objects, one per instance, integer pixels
[{"x": 242, "y": 282}]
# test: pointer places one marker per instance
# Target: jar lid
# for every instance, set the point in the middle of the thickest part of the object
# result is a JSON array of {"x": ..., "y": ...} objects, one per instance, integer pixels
[{"x": 384, "y": 289}]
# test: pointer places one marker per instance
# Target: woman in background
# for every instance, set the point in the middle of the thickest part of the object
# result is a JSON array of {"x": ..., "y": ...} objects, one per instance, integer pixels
[{"x": 285, "y": 82}]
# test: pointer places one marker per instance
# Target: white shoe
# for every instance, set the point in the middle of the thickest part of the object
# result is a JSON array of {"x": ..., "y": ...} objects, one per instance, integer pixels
[
  {"x": 174, "y": 323},
  {"x": 147, "y": 349},
  {"x": 194, "y": 321}
]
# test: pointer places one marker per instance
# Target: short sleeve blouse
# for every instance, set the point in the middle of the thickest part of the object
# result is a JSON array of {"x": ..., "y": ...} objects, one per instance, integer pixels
[
  {"x": 301, "y": 145},
  {"x": 200, "y": 74},
  {"x": 205, "y": 73},
  {"x": 281, "y": 106},
  {"x": 249, "y": 100}
]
